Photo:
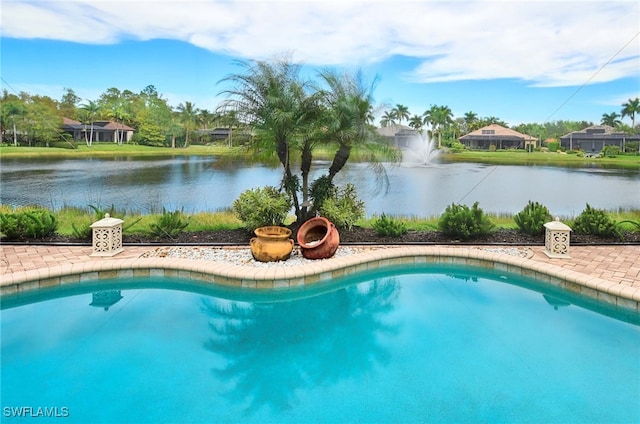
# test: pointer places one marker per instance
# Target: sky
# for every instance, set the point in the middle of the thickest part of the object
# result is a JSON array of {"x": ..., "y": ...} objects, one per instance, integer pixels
[{"x": 520, "y": 61}]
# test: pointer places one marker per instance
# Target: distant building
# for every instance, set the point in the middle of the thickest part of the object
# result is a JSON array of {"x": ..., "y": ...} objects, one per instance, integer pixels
[
  {"x": 214, "y": 133},
  {"x": 103, "y": 131},
  {"x": 398, "y": 135},
  {"x": 593, "y": 139},
  {"x": 498, "y": 136}
]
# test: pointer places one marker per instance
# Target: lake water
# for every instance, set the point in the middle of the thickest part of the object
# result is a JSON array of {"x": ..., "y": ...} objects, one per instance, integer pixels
[{"x": 199, "y": 183}]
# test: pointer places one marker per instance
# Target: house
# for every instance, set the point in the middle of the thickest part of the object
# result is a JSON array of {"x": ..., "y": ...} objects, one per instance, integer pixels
[
  {"x": 103, "y": 131},
  {"x": 398, "y": 135},
  {"x": 498, "y": 136},
  {"x": 214, "y": 133},
  {"x": 594, "y": 138}
]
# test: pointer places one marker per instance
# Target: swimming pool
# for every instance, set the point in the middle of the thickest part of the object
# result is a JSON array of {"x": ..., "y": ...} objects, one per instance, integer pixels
[{"x": 410, "y": 344}]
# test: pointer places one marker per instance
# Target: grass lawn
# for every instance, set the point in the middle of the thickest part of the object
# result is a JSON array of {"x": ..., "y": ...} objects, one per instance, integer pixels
[
  {"x": 499, "y": 157},
  {"x": 111, "y": 149},
  {"x": 521, "y": 157}
]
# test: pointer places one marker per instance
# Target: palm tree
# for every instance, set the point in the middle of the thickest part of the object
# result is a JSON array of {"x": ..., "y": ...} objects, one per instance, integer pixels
[
  {"x": 91, "y": 111},
  {"x": 630, "y": 108},
  {"x": 610, "y": 119},
  {"x": 348, "y": 101},
  {"x": 293, "y": 116},
  {"x": 470, "y": 119},
  {"x": 416, "y": 122},
  {"x": 271, "y": 97},
  {"x": 439, "y": 117},
  {"x": 401, "y": 112},
  {"x": 13, "y": 110},
  {"x": 388, "y": 118},
  {"x": 205, "y": 118},
  {"x": 188, "y": 115}
]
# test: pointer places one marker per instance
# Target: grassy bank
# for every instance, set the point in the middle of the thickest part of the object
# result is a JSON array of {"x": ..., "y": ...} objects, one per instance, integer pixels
[
  {"x": 111, "y": 149},
  {"x": 71, "y": 220},
  {"x": 499, "y": 157},
  {"x": 521, "y": 157}
]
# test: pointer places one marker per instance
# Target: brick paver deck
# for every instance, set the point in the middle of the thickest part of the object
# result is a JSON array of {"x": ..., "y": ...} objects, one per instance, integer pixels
[{"x": 615, "y": 267}]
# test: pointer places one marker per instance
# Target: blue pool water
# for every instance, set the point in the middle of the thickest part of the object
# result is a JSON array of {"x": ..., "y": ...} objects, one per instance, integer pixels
[{"x": 420, "y": 345}]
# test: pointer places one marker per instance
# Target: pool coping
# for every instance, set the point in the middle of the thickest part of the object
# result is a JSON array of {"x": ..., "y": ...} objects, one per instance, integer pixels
[{"x": 281, "y": 277}]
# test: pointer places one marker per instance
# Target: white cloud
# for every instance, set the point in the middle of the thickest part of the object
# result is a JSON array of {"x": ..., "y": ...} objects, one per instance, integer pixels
[{"x": 544, "y": 43}]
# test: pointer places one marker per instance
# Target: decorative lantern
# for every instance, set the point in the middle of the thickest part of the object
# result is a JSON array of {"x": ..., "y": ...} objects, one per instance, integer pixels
[
  {"x": 556, "y": 239},
  {"x": 107, "y": 236}
]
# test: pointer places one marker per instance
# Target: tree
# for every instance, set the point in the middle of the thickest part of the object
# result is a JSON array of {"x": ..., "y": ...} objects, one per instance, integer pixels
[
  {"x": 294, "y": 116},
  {"x": 610, "y": 119},
  {"x": 188, "y": 115},
  {"x": 388, "y": 118},
  {"x": 416, "y": 122},
  {"x": 13, "y": 110},
  {"x": 401, "y": 113},
  {"x": 119, "y": 113},
  {"x": 155, "y": 114},
  {"x": 91, "y": 111},
  {"x": 68, "y": 104},
  {"x": 440, "y": 117},
  {"x": 471, "y": 121},
  {"x": 630, "y": 109},
  {"x": 270, "y": 96}
]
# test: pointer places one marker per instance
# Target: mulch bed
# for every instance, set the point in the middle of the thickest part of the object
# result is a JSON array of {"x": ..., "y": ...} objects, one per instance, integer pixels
[{"x": 356, "y": 235}]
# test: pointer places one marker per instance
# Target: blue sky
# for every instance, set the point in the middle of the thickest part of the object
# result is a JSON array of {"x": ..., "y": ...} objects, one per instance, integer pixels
[{"x": 517, "y": 60}]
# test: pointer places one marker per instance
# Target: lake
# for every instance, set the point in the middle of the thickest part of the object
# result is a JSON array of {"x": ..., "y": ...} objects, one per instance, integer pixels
[{"x": 204, "y": 183}]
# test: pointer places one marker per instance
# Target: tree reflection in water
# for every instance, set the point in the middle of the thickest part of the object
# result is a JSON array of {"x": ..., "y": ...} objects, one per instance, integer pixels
[{"x": 274, "y": 349}]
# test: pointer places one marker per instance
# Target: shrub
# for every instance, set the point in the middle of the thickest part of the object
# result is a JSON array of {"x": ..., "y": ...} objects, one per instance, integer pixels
[
  {"x": 259, "y": 207},
  {"x": 389, "y": 226},
  {"x": 553, "y": 146},
  {"x": 596, "y": 222},
  {"x": 320, "y": 190},
  {"x": 465, "y": 223},
  {"x": 81, "y": 229},
  {"x": 27, "y": 224},
  {"x": 611, "y": 151},
  {"x": 532, "y": 218},
  {"x": 343, "y": 207},
  {"x": 169, "y": 224}
]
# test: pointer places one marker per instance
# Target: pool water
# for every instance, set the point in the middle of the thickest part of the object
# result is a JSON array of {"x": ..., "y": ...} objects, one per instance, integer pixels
[{"x": 424, "y": 345}]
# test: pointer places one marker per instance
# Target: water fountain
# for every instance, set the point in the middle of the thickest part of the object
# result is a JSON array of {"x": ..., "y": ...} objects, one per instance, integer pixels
[{"x": 419, "y": 150}]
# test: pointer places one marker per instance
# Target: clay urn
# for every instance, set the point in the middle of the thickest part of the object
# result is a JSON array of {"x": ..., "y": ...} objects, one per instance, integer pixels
[
  {"x": 271, "y": 244},
  {"x": 318, "y": 238}
]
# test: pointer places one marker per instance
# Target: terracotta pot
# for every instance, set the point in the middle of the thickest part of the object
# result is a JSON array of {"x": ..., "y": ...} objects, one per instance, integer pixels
[
  {"x": 318, "y": 238},
  {"x": 271, "y": 244}
]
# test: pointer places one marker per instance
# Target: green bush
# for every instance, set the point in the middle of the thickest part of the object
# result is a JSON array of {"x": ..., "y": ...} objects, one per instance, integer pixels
[
  {"x": 389, "y": 226},
  {"x": 320, "y": 190},
  {"x": 27, "y": 224},
  {"x": 465, "y": 223},
  {"x": 169, "y": 224},
  {"x": 343, "y": 207},
  {"x": 259, "y": 207},
  {"x": 611, "y": 151},
  {"x": 532, "y": 218},
  {"x": 596, "y": 222},
  {"x": 81, "y": 229},
  {"x": 553, "y": 146}
]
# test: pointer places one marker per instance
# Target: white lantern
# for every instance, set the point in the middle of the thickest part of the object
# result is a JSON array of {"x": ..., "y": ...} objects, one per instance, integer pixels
[
  {"x": 556, "y": 239},
  {"x": 107, "y": 236}
]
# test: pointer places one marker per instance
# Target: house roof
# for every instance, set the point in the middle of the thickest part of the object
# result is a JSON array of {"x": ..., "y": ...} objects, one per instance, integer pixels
[
  {"x": 497, "y": 132},
  {"x": 110, "y": 125},
  {"x": 597, "y": 131},
  {"x": 97, "y": 125},
  {"x": 391, "y": 130}
]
